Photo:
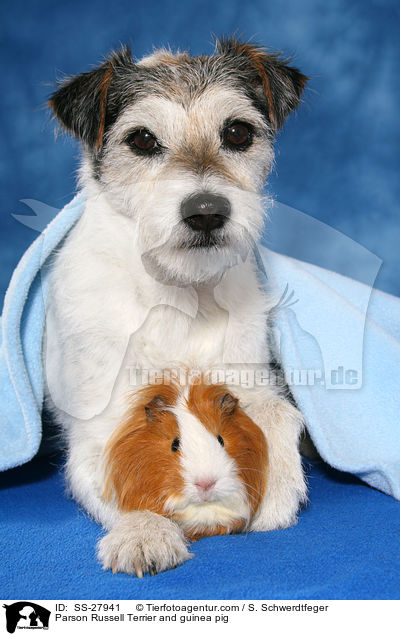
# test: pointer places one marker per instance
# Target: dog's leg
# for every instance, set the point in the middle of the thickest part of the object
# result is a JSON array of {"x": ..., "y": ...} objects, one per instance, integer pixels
[
  {"x": 282, "y": 424},
  {"x": 136, "y": 542}
]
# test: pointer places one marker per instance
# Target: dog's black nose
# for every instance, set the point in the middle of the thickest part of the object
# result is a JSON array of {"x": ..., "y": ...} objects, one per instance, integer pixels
[{"x": 205, "y": 211}]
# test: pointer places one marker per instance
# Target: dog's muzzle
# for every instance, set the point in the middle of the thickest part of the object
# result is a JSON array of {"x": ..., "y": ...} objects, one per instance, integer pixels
[{"x": 205, "y": 212}]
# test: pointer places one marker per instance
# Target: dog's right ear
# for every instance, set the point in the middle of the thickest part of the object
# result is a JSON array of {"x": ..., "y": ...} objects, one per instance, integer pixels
[
  {"x": 81, "y": 102},
  {"x": 280, "y": 84}
]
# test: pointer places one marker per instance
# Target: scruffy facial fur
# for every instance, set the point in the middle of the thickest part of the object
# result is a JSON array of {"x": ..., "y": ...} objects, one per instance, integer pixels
[
  {"x": 193, "y": 437},
  {"x": 159, "y": 273},
  {"x": 185, "y": 102}
]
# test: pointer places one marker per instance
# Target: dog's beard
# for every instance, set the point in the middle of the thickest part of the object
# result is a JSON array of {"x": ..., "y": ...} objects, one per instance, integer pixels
[
  {"x": 202, "y": 241},
  {"x": 196, "y": 259},
  {"x": 175, "y": 254}
]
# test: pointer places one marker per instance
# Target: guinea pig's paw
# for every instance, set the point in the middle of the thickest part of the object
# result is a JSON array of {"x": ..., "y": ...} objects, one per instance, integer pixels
[{"x": 141, "y": 542}]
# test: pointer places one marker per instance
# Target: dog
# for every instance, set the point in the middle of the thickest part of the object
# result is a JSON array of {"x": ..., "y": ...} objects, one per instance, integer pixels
[{"x": 159, "y": 271}]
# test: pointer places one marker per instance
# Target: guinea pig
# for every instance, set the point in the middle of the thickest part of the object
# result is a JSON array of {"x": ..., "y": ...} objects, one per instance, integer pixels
[{"x": 189, "y": 453}]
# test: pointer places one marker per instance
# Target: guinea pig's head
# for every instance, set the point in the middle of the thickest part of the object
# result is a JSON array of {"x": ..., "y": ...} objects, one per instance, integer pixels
[{"x": 191, "y": 454}]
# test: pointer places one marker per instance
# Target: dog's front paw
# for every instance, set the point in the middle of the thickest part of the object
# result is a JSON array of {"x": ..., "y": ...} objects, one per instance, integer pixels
[
  {"x": 267, "y": 520},
  {"x": 141, "y": 542}
]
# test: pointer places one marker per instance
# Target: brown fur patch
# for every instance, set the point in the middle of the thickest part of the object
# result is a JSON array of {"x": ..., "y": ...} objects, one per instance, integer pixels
[
  {"x": 243, "y": 439},
  {"x": 105, "y": 83},
  {"x": 173, "y": 59},
  {"x": 234, "y": 528},
  {"x": 200, "y": 156},
  {"x": 256, "y": 56},
  {"x": 141, "y": 469}
]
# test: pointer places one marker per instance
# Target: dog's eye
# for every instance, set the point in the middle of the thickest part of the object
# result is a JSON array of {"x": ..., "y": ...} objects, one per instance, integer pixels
[
  {"x": 238, "y": 135},
  {"x": 175, "y": 444},
  {"x": 221, "y": 441},
  {"x": 143, "y": 141}
]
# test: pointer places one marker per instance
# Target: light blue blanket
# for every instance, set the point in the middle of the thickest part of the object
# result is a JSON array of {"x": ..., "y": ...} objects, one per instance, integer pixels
[{"x": 337, "y": 340}]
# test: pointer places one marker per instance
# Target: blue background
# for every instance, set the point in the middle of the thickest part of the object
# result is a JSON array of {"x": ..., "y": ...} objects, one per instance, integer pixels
[{"x": 338, "y": 158}]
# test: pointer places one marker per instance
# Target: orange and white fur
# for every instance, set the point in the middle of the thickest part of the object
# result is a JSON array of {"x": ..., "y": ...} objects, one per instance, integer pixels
[
  {"x": 137, "y": 285},
  {"x": 190, "y": 454}
]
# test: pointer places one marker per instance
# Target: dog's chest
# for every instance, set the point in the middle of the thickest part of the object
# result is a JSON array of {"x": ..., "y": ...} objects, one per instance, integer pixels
[{"x": 170, "y": 336}]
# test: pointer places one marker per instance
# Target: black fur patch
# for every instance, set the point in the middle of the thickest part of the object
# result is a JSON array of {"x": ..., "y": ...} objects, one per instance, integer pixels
[
  {"x": 274, "y": 87},
  {"x": 88, "y": 103}
]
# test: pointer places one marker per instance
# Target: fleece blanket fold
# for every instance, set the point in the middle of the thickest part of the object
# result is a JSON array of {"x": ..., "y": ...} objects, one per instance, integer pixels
[{"x": 337, "y": 340}]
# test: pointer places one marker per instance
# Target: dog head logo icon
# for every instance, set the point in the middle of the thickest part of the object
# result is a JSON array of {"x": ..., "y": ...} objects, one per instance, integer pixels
[{"x": 26, "y": 615}]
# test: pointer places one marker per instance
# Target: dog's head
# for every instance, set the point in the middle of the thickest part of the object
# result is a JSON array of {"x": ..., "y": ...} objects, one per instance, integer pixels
[{"x": 182, "y": 145}]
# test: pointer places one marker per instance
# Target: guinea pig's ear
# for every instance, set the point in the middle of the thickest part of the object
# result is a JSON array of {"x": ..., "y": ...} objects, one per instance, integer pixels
[
  {"x": 227, "y": 403},
  {"x": 155, "y": 407},
  {"x": 82, "y": 103},
  {"x": 276, "y": 84}
]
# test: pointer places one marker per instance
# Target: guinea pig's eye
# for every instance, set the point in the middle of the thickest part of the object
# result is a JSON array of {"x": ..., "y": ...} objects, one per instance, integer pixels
[
  {"x": 237, "y": 135},
  {"x": 143, "y": 142},
  {"x": 221, "y": 441},
  {"x": 175, "y": 444}
]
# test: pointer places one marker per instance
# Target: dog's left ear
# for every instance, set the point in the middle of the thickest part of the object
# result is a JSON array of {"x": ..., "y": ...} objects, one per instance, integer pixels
[
  {"x": 281, "y": 85},
  {"x": 82, "y": 103}
]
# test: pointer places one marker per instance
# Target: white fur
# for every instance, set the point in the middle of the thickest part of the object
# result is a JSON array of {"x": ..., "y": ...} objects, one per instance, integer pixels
[
  {"x": 123, "y": 295},
  {"x": 142, "y": 541},
  {"x": 204, "y": 459}
]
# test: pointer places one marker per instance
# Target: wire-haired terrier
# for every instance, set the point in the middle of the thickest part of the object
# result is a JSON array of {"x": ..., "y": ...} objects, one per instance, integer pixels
[{"x": 160, "y": 273}]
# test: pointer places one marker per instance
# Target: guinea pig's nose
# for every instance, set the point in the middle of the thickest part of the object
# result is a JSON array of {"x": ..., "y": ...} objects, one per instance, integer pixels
[
  {"x": 204, "y": 487},
  {"x": 205, "y": 212}
]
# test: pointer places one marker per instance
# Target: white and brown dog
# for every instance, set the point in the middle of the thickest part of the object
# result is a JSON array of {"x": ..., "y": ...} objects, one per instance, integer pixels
[{"x": 159, "y": 270}]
